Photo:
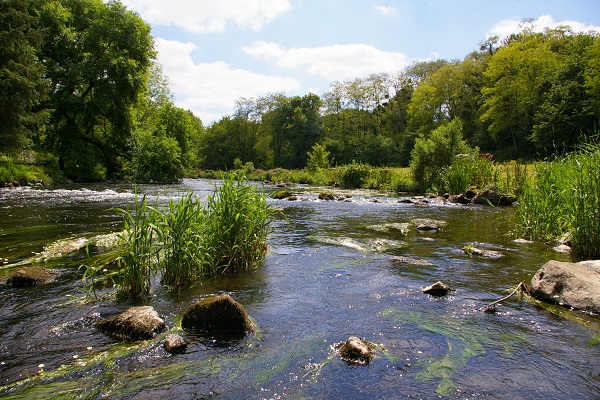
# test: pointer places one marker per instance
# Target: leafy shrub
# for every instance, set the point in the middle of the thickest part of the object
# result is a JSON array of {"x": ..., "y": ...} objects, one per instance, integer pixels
[
  {"x": 467, "y": 170},
  {"x": 431, "y": 155},
  {"x": 354, "y": 175}
]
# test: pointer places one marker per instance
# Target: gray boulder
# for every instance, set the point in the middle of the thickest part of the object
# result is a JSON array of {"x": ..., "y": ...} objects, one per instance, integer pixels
[
  {"x": 219, "y": 315},
  {"x": 438, "y": 289},
  {"x": 133, "y": 324},
  {"x": 575, "y": 285}
]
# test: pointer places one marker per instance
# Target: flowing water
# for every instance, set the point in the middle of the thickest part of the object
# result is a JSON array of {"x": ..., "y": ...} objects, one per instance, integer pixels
[{"x": 335, "y": 269}]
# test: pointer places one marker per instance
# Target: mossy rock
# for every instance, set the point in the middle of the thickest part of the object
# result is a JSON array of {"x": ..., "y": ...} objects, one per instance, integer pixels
[
  {"x": 326, "y": 196},
  {"x": 218, "y": 315},
  {"x": 29, "y": 276},
  {"x": 283, "y": 195},
  {"x": 356, "y": 351},
  {"x": 133, "y": 324}
]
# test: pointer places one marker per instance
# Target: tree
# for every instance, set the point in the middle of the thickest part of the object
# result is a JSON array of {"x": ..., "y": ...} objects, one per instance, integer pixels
[
  {"x": 156, "y": 158},
  {"x": 318, "y": 158},
  {"x": 22, "y": 86},
  {"x": 97, "y": 58}
]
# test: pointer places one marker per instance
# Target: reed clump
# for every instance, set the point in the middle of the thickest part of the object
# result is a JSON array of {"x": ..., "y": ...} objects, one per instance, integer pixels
[
  {"x": 188, "y": 240},
  {"x": 564, "y": 200}
]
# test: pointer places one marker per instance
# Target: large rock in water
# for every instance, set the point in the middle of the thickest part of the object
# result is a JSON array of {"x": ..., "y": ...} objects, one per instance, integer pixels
[
  {"x": 133, "y": 324},
  {"x": 220, "y": 315},
  {"x": 28, "y": 276},
  {"x": 356, "y": 351},
  {"x": 574, "y": 285}
]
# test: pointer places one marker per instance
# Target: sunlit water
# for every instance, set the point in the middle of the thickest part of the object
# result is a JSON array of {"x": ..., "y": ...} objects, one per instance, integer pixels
[{"x": 335, "y": 269}]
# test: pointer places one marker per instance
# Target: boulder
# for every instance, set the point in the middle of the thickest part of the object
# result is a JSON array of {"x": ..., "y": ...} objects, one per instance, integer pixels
[
  {"x": 219, "y": 315},
  {"x": 28, "y": 276},
  {"x": 575, "y": 285},
  {"x": 283, "y": 195},
  {"x": 438, "y": 289},
  {"x": 494, "y": 198},
  {"x": 175, "y": 344},
  {"x": 133, "y": 324},
  {"x": 326, "y": 196},
  {"x": 356, "y": 351}
]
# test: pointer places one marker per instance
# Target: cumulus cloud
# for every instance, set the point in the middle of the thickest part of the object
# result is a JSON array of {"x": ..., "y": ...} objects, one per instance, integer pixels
[
  {"x": 210, "y": 89},
  {"x": 385, "y": 10},
  {"x": 209, "y": 15},
  {"x": 504, "y": 28},
  {"x": 337, "y": 62}
]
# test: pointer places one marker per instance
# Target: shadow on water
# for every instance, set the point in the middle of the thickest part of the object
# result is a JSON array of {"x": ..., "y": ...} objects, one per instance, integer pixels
[{"x": 335, "y": 269}]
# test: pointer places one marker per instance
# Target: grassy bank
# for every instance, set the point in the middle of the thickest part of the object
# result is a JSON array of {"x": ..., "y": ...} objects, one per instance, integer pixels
[
  {"x": 563, "y": 201},
  {"x": 17, "y": 171}
]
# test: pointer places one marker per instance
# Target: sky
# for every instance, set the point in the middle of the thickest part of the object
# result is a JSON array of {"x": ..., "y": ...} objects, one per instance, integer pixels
[{"x": 217, "y": 51}]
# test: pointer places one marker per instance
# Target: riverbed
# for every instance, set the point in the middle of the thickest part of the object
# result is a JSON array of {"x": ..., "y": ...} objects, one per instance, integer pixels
[{"x": 354, "y": 266}]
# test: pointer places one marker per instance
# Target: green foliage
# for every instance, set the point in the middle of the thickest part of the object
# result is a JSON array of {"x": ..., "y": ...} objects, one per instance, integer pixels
[
  {"x": 156, "y": 158},
  {"x": 354, "y": 175},
  {"x": 434, "y": 153},
  {"x": 187, "y": 240},
  {"x": 318, "y": 158},
  {"x": 137, "y": 250},
  {"x": 467, "y": 170},
  {"x": 563, "y": 199},
  {"x": 236, "y": 226}
]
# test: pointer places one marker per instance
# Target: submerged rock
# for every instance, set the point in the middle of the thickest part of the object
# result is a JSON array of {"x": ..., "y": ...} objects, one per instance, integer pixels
[
  {"x": 326, "y": 196},
  {"x": 438, "y": 289},
  {"x": 133, "y": 324},
  {"x": 472, "y": 251},
  {"x": 28, "y": 276},
  {"x": 217, "y": 315},
  {"x": 575, "y": 285},
  {"x": 175, "y": 344},
  {"x": 356, "y": 351},
  {"x": 283, "y": 195}
]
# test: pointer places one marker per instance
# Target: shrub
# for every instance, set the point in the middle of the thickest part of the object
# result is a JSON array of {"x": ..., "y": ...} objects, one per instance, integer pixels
[
  {"x": 354, "y": 175},
  {"x": 467, "y": 170},
  {"x": 432, "y": 154},
  {"x": 156, "y": 158}
]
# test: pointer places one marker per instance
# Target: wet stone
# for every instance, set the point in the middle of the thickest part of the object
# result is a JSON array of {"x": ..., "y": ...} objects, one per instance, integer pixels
[
  {"x": 217, "y": 315},
  {"x": 28, "y": 276},
  {"x": 438, "y": 289},
  {"x": 356, "y": 351},
  {"x": 175, "y": 344},
  {"x": 133, "y": 324}
]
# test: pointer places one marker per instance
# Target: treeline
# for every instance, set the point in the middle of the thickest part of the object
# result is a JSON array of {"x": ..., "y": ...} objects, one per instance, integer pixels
[
  {"x": 529, "y": 96},
  {"x": 80, "y": 91}
]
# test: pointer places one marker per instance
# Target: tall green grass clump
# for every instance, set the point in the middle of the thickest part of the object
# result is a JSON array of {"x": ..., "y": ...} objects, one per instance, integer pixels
[
  {"x": 354, "y": 176},
  {"x": 237, "y": 225},
  {"x": 137, "y": 250},
  {"x": 180, "y": 235},
  {"x": 466, "y": 171},
  {"x": 564, "y": 198}
]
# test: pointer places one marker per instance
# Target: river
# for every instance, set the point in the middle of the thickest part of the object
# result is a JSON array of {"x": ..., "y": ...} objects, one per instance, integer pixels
[{"x": 335, "y": 269}]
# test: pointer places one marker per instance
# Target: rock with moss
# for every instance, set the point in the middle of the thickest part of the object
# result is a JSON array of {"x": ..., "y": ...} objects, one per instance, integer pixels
[
  {"x": 438, "y": 289},
  {"x": 175, "y": 344},
  {"x": 575, "y": 285},
  {"x": 218, "y": 315},
  {"x": 134, "y": 324},
  {"x": 326, "y": 196},
  {"x": 29, "y": 276},
  {"x": 491, "y": 197},
  {"x": 283, "y": 195},
  {"x": 356, "y": 351}
]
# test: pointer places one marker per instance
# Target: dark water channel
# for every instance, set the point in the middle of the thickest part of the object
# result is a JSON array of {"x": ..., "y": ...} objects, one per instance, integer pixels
[{"x": 335, "y": 269}]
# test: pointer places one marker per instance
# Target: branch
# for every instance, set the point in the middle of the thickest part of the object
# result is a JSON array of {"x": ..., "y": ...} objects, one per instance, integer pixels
[{"x": 491, "y": 308}]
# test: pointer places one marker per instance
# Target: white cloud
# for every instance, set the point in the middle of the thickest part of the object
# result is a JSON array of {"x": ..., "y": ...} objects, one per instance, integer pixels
[
  {"x": 210, "y": 89},
  {"x": 385, "y": 10},
  {"x": 504, "y": 28},
  {"x": 209, "y": 15},
  {"x": 337, "y": 62}
]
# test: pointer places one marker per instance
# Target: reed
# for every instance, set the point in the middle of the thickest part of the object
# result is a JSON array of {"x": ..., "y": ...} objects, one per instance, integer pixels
[
  {"x": 563, "y": 199},
  {"x": 237, "y": 225},
  {"x": 137, "y": 251}
]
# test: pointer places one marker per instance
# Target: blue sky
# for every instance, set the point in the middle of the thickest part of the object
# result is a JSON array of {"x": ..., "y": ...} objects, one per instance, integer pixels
[{"x": 216, "y": 51}]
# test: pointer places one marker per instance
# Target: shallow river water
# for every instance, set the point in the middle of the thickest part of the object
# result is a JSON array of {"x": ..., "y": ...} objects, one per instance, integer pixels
[{"x": 335, "y": 269}]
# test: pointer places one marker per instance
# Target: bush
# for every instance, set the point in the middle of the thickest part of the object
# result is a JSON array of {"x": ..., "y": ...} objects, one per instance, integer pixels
[
  {"x": 431, "y": 155},
  {"x": 354, "y": 175},
  {"x": 467, "y": 170}
]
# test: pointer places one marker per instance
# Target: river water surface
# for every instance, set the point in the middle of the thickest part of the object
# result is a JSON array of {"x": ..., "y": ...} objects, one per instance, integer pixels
[{"x": 335, "y": 269}]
